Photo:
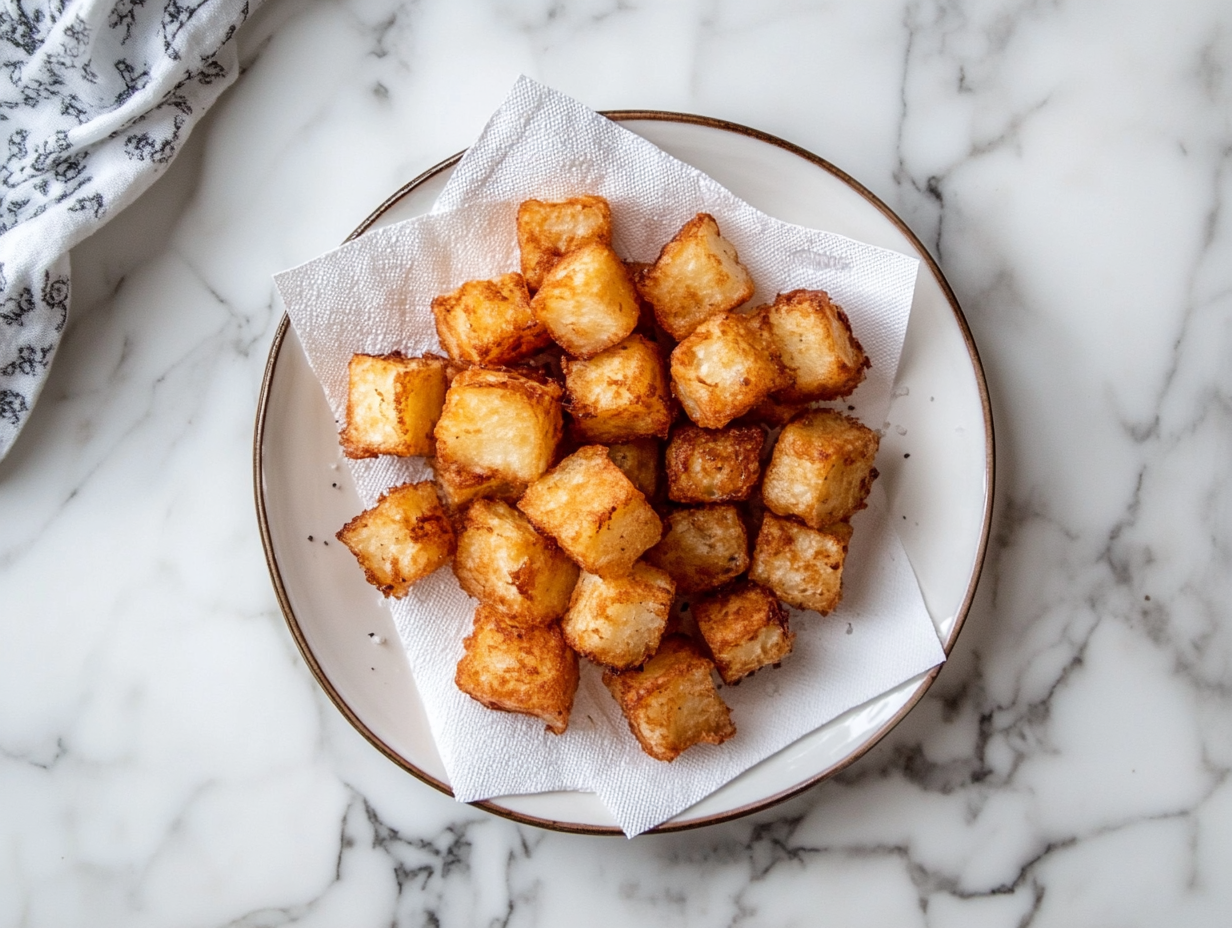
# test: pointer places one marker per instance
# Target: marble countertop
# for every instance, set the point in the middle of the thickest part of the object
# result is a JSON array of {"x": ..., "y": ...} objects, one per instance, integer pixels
[{"x": 167, "y": 759}]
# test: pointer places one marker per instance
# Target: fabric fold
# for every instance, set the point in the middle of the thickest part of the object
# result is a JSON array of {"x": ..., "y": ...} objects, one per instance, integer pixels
[{"x": 98, "y": 101}]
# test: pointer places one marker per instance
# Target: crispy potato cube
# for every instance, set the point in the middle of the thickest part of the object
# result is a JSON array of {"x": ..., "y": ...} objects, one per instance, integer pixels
[
  {"x": 671, "y": 703},
  {"x": 489, "y": 322},
  {"x": 458, "y": 486},
  {"x": 713, "y": 465},
  {"x": 547, "y": 230},
  {"x": 504, "y": 563},
  {"x": 696, "y": 275},
  {"x": 592, "y": 510},
  {"x": 815, "y": 344},
  {"x": 722, "y": 371},
  {"x": 519, "y": 669},
  {"x": 401, "y": 539},
  {"x": 745, "y": 629},
  {"x": 821, "y": 469},
  {"x": 803, "y": 566},
  {"x": 587, "y": 301},
  {"x": 702, "y": 548},
  {"x": 393, "y": 403},
  {"x": 499, "y": 424},
  {"x": 618, "y": 622},
  {"x": 639, "y": 461},
  {"x": 620, "y": 394}
]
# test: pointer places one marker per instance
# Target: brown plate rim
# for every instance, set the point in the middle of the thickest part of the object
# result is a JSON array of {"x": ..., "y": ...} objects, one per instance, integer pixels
[{"x": 766, "y": 802}]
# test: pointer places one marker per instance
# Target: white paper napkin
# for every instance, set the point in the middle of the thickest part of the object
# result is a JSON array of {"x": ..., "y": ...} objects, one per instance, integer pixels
[{"x": 374, "y": 295}]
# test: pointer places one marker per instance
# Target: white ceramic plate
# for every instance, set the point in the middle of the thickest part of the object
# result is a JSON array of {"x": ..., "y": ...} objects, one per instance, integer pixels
[{"x": 940, "y": 496}]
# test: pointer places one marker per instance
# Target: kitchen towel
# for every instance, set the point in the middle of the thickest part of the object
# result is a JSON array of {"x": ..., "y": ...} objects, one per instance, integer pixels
[{"x": 98, "y": 100}]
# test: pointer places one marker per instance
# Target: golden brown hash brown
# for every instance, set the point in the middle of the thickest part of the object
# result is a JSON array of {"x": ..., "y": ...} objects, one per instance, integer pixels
[
  {"x": 549, "y": 229},
  {"x": 803, "y": 566},
  {"x": 529, "y": 670},
  {"x": 593, "y": 511},
  {"x": 618, "y": 622},
  {"x": 620, "y": 394},
  {"x": 722, "y": 370},
  {"x": 671, "y": 703},
  {"x": 499, "y": 424},
  {"x": 401, "y": 539},
  {"x": 393, "y": 403},
  {"x": 713, "y": 465},
  {"x": 503, "y": 562},
  {"x": 587, "y": 301},
  {"x": 702, "y": 548},
  {"x": 822, "y": 468},
  {"x": 696, "y": 275},
  {"x": 745, "y": 629}
]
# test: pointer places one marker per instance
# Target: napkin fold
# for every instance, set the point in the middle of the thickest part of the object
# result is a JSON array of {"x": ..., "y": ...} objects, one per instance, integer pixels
[
  {"x": 96, "y": 100},
  {"x": 373, "y": 296}
]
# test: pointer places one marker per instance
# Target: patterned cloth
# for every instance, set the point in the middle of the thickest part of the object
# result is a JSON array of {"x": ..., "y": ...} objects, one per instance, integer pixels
[{"x": 100, "y": 95}]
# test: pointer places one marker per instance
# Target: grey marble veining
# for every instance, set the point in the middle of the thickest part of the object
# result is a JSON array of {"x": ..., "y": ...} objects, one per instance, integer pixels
[{"x": 166, "y": 758}]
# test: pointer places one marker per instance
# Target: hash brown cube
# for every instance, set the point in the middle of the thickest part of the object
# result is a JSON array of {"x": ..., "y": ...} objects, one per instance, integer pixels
[
  {"x": 489, "y": 322},
  {"x": 618, "y": 622},
  {"x": 722, "y": 370},
  {"x": 586, "y": 301},
  {"x": 401, "y": 539},
  {"x": 504, "y": 563},
  {"x": 744, "y": 628},
  {"x": 639, "y": 461},
  {"x": 458, "y": 486},
  {"x": 802, "y": 565},
  {"x": 529, "y": 670},
  {"x": 815, "y": 344},
  {"x": 702, "y": 548},
  {"x": 393, "y": 403},
  {"x": 822, "y": 468},
  {"x": 619, "y": 394},
  {"x": 549, "y": 229},
  {"x": 671, "y": 703},
  {"x": 696, "y": 275},
  {"x": 713, "y": 465},
  {"x": 499, "y": 424},
  {"x": 593, "y": 512}
]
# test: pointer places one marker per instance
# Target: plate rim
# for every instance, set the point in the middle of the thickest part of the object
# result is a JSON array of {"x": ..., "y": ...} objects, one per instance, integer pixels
[{"x": 961, "y": 614}]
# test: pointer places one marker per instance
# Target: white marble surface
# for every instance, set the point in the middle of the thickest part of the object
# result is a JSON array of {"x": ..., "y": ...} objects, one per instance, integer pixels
[{"x": 165, "y": 757}]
